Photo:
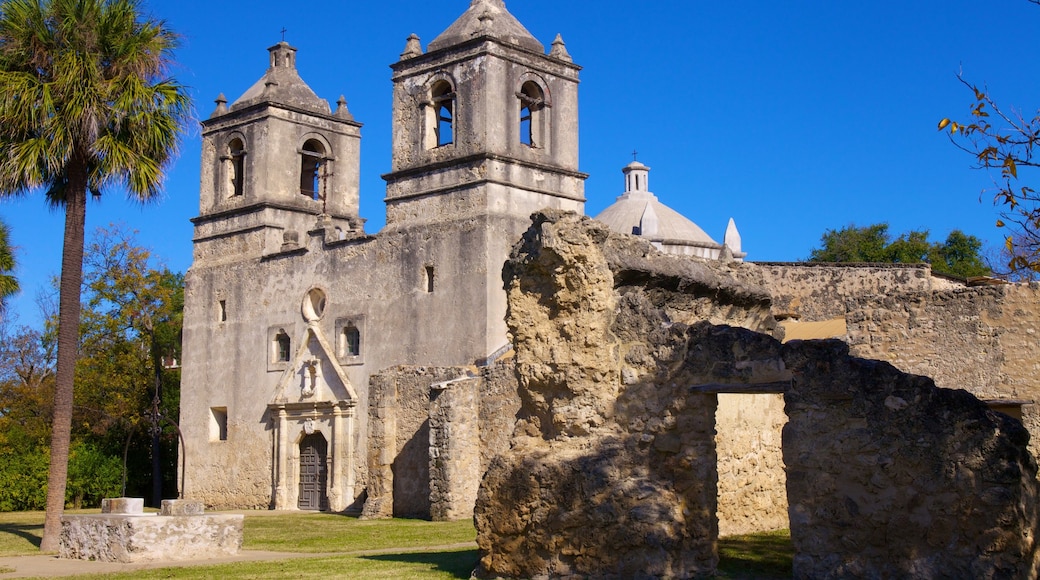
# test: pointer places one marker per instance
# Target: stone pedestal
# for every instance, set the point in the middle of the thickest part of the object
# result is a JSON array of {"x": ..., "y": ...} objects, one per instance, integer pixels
[{"x": 122, "y": 534}]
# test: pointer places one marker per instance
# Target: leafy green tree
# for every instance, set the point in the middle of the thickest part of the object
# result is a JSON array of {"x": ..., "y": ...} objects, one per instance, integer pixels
[
  {"x": 131, "y": 310},
  {"x": 8, "y": 283},
  {"x": 957, "y": 256},
  {"x": 853, "y": 244},
  {"x": 85, "y": 105},
  {"x": 131, "y": 332}
]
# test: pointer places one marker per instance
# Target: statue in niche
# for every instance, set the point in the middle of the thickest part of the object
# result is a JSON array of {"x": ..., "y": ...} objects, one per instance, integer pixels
[{"x": 312, "y": 370}]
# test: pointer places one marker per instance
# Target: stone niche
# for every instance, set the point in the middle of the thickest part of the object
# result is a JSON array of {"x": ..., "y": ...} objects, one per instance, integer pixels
[{"x": 612, "y": 469}]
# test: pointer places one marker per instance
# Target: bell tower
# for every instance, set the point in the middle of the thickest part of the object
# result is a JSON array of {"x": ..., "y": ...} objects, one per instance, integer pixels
[
  {"x": 485, "y": 123},
  {"x": 275, "y": 163}
]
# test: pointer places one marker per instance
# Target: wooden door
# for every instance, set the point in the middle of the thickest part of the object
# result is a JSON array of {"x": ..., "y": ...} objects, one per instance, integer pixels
[{"x": 314, "y": 473}]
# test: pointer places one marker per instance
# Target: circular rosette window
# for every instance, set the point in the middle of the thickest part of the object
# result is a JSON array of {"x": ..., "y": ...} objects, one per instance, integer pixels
[{"x": 314, "y": 305}]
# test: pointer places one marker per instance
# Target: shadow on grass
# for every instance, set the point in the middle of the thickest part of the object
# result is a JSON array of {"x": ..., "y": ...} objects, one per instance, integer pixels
[
  {"x": 459, "y": 564},
  {"x": 25, "y": 531},
  {"x": 766, "y": 556}
]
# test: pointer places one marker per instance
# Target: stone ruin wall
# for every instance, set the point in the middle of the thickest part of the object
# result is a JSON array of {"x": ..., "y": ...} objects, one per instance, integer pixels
[
  {"x": 612, "y": 469},
  {"x": 891, "y": 477},
  {"x": 983, "y": 339},
  {"x": 434, "y": 431}
]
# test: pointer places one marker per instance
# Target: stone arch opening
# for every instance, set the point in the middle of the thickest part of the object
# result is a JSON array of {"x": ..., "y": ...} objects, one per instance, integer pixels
[
  {"x": 532, "y": 107},
  {"x": 313, "y": 157},
  {"x": 440, "y": 115},
  {"x": 235, "y": 167}
]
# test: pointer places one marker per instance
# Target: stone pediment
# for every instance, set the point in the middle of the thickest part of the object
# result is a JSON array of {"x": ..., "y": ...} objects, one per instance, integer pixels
[{"x": 313, "y": 374}]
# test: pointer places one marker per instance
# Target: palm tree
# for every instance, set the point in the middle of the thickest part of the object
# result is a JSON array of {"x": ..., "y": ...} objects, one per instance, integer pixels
[
  {"x": 8, "y": 283},
  {"x": 85, "y": 105}
]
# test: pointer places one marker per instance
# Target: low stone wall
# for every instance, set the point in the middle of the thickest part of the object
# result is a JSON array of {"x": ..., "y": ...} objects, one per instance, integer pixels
[
  {"x": 137, "y": 537},
  {"x": 891, "y": 477}
]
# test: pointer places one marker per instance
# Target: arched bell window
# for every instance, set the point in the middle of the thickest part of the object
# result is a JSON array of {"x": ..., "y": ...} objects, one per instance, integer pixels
[
  {"x": 235, "y": 164},
  {"x": 312, "y": 160},
  {"x": 532, "y": 107},
  {"x": 440, "y": 115}
]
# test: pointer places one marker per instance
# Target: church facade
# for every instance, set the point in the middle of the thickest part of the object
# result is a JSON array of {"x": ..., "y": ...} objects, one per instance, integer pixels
[{"x": 291, "y": 306}]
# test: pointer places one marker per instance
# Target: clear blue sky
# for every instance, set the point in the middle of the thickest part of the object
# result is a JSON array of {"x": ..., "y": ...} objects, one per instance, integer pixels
[{"x": 790, "y": 117}]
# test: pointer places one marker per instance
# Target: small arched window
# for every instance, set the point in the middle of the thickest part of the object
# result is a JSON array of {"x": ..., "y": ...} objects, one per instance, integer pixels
[
  {"x": 312, "y": 160},
  {"x": 532, "y": 105},
  {"x": 440, "y": 116},
  {"x": 236, "y": 155}
]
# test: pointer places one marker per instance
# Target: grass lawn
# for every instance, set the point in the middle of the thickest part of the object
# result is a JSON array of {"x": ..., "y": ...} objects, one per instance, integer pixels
[{"x": 344, "y": 547}]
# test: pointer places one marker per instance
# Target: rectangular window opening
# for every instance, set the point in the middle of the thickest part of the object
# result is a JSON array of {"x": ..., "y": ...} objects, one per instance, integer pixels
[
  {"x": 282, "y": 347},
  {"x": 218, "y": 424},
  {"x": 223, "y": 310},
  {"x": 429, "y": 278}
]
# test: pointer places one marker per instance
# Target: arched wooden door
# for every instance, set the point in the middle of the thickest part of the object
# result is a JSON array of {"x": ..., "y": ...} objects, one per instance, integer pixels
[{"x": 314, "y": 473}]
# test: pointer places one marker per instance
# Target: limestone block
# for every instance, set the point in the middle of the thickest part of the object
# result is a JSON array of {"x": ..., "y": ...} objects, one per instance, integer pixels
[
  {"x": 127, "y": 539},
  {"x": 122, "y": 505},
  {"x": 182, "y": 507}
]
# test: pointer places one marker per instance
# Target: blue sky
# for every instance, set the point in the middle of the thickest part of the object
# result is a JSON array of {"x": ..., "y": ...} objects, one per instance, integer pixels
[{"x": 790, "y": 117}]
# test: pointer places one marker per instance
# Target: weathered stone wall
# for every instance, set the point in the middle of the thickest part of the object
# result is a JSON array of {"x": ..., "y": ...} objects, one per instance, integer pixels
[
  {"x": 890, "y": 477},
  {"x": 399, "y": 462},
  {"x": 499, "y": 404},
  {"x": 454, "y": 454},
  {"x": 818, "y": 291},
  {"x": 611, "y": 471},
  {"x": 433, "y": 432},
  {"x": 982, "y": 339}
]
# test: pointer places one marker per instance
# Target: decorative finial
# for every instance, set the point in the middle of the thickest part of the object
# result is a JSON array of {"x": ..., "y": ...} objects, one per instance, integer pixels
[
  {"x": 221, "y": 105},
  {"x": 559, "y": 49},
  {"x": 412, "y": 47},
  {"x": 486, "y": 18},
  {"x": 283, "y": 33},
  {"x": 635, "y": 155},
  {"x": 341, "y": 109}
]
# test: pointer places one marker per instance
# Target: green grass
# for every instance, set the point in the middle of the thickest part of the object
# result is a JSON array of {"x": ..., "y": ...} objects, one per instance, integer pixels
[
  {"x": 764, "y": 556},
  {"x": 324, "y": 533},
  {"x": 20, "y": 533},
  {"x": 420, "y": 566},
  {"x": 335, "y": 546}
]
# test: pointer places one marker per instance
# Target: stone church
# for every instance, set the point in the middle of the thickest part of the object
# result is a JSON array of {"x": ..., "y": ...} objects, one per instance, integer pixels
[
  {"x": 324, "y": 366},
  {"x": 291, "y": 306}
]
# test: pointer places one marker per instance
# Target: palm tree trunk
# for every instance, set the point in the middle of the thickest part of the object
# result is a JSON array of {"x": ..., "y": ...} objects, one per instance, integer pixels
[{"x": 68, "y": 350}]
